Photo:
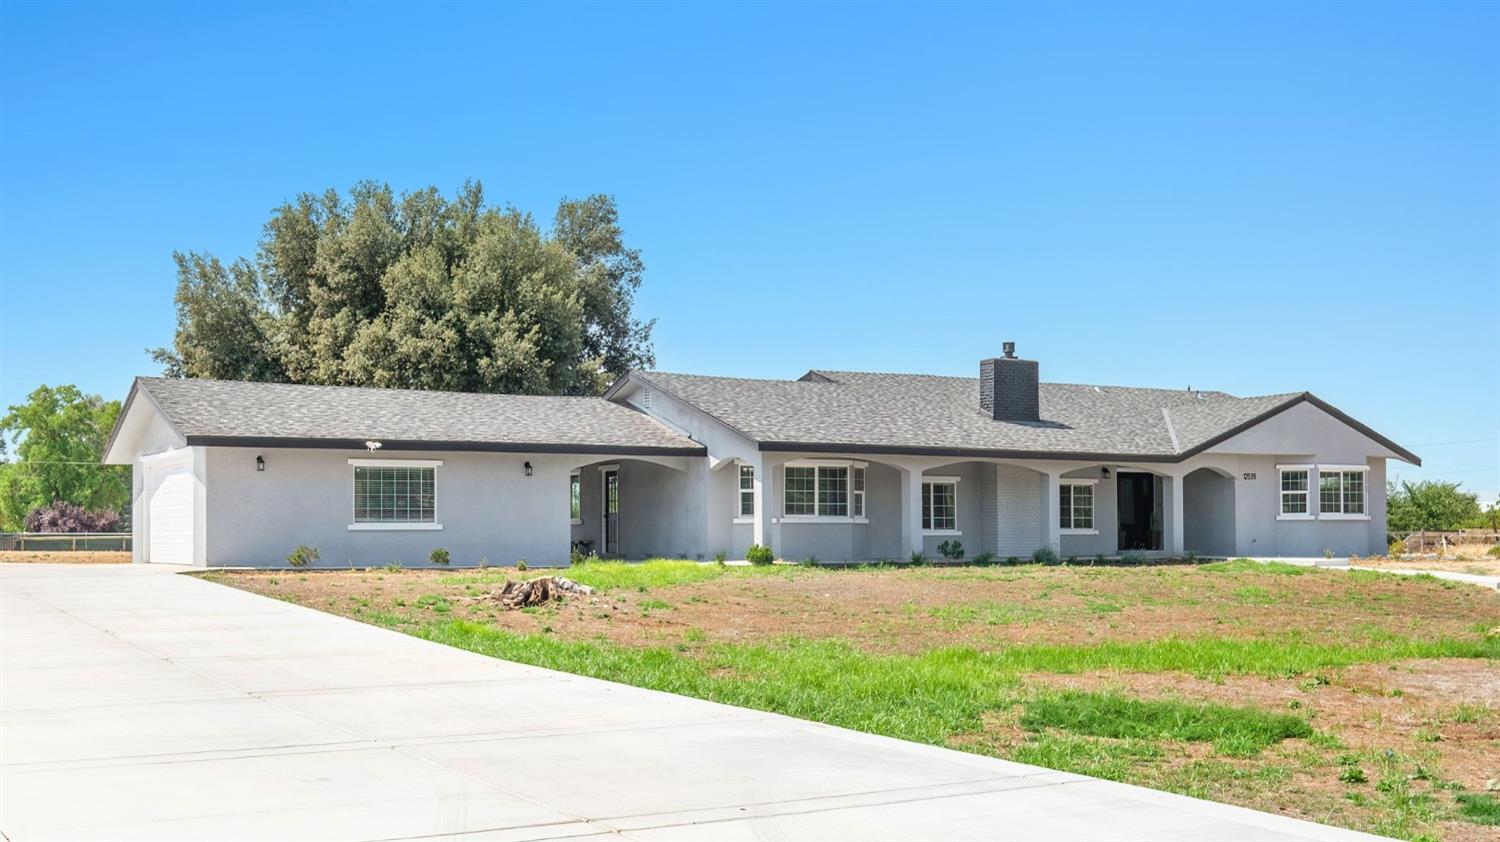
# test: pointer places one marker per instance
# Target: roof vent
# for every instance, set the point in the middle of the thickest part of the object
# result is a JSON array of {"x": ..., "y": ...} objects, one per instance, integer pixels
[
  {"x": 646, "y": 398},
  {"x": 1008, "y": 387}
]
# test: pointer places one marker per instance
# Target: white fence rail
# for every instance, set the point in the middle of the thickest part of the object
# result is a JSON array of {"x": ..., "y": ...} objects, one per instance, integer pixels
[{"x": 65, "y": 541}]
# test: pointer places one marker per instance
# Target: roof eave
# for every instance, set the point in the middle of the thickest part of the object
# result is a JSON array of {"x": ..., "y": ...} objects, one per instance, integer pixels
[
  {"x": 1305, "y": 397},
  {"x": 429, "y": 445}
]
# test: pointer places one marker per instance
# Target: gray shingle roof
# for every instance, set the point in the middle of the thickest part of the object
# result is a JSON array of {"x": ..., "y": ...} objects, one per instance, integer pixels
[
  {"x": 927, "y": 412},
  {"x": 206, "y": 411}
]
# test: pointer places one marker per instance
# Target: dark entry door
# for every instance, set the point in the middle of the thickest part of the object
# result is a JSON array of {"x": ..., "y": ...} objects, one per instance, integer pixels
[
  {"x": 1137, "y": 505},
  {"x": 611, "y": 512}
]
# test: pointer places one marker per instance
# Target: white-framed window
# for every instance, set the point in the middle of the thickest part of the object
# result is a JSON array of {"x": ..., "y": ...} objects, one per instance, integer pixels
[
  {"x": 823, "y": 491},
  {"x": 395, "y": 494},
  {"x": 857, "y": 491},
  {"x": 940, "y": 505},
  {"x": 575, "y": 498},
  {"x": 1294, "y": 490},
  {"x": 747, "y": 491},
  {"x": 1075, "y": 507},
  {"x": 1341, "y": 491}
]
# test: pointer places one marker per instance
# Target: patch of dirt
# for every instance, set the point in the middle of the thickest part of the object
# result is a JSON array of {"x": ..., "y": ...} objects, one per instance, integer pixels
[
  {"x": 1466, "y": 558},
  {"x": 63, "y": 557},
  {"x": 912, "y": 611}
]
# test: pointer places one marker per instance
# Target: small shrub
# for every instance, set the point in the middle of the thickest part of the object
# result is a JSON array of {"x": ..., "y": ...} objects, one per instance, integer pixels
[
  {"x": 983, "y": 559},
  {"x": 1397, "y": 549},
  {"x": 1100, "y": 559},
  {"x": 521, "y": 564},
  {"x": 575, "y": 557},
  {"x": 720, "y": 557},
  {"x": 810, "y": 561},
  {"x": 394, "y": 566},
  {"x": 303, "y": 556},
  {"x": 758, "y": 554},
  {"x": 953, "y": 550},
  {"x": 1132, "y": 557},
  {"x": 1190, "y": 558},
  {"x": 917, "y": 559},
  {"x": 1044, "y": 555},
  {"x": 439, "y": 556},
  {"x": 1073, "y": 560},
  {"x": 1010, "y": 559}
]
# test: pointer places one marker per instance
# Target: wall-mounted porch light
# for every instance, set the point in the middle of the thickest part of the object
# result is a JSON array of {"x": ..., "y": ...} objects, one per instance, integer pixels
[
  {"x": 1105, "y": 472},
  {"x": 528, "y": 469},
  {"x": 260, "y": 463}
]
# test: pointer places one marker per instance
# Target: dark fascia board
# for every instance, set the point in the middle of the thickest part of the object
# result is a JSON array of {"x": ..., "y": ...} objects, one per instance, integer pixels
[
  {"x": 1306, "y": 397},
  {"x": 135, "y": 389},
  {"x": 473, "y": 446}
]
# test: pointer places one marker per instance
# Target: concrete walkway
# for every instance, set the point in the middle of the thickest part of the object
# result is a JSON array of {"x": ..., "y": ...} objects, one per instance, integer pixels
[
  {"x": 1482, "y": 580},
  {"x": 138, "y": 704}
]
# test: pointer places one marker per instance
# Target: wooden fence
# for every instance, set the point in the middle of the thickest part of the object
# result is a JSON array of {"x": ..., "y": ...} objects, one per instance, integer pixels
[
  {"x": 65, "y": 541},
  {"x": 1434, "y": 541}
]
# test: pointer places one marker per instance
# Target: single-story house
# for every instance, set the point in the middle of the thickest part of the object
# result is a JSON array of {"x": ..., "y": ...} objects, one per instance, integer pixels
[{"x": 834, "y": 465}]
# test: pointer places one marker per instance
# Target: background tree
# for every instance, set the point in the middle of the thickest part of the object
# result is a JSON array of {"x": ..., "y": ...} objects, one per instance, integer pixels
[
  {"x": 59, "y": 434},
  {"x": 1429, "y": 505},
  {"x": 418, "y": 291}
]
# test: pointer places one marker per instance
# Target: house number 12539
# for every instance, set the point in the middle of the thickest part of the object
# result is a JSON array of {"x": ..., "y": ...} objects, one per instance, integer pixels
[{"x": 1249, "y": 476}]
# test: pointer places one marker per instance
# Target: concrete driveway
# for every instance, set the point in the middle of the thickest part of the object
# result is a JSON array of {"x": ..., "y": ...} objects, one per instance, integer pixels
[{"x": 138, "y": 704}]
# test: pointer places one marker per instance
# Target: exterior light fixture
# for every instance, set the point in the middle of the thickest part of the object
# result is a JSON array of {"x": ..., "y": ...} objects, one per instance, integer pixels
[
  {"x": 260, "y": 463},
  {"x": 1106, "y": 473},
  {"x": 528, "y": 469}
]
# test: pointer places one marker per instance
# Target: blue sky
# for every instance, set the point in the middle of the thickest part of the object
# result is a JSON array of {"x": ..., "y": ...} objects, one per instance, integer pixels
[{"x": 1249, "y": 197}]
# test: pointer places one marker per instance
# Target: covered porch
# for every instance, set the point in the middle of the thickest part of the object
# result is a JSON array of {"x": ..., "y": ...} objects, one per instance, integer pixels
[{"x": 869, "y": 507}]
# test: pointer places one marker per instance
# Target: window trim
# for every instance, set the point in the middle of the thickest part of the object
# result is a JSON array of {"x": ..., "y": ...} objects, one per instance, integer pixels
[
  {"x": 1093, "y": 508},
  {"x": 941, "y": 480},
  {"x": 740, "y": 517},
  {"x": 1344, "y": 493},
  {"x": 817, "y": 518},
  {"x": 399, "y": 526},
  {"x": 1307, "y": 493},
  {"x": 575, "y": 480}
]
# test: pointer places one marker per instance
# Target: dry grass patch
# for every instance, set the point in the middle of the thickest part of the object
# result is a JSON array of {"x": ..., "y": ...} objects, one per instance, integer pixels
[{"x": 63, "y": 557}]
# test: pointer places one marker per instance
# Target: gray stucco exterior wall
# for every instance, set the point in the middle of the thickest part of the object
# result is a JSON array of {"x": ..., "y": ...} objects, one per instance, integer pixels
[{"x": 488, "y": 509}]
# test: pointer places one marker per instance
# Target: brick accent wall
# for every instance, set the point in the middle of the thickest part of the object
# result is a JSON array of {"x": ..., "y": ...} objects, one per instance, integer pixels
[{"x": 1008, "y": 389}]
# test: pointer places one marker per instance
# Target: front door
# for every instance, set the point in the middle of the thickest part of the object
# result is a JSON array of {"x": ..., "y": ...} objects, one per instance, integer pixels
[
  {"x": 612, "y": 512},
  {"x": 1136, "y": 496}
]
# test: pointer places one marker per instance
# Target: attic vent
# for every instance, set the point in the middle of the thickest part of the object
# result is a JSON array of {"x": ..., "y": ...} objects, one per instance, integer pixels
[{"x": 645, "y": 398}]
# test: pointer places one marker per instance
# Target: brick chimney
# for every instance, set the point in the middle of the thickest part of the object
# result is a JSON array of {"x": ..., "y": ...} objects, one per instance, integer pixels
[{"x": 1008, "y": 387}]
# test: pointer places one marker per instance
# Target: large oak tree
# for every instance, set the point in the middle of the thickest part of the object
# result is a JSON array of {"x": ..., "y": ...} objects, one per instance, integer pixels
[{"x": 417, "y": 291}]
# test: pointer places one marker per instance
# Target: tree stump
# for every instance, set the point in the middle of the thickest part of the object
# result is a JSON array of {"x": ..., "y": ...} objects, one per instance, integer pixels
[{"x": 537, "y": 592}]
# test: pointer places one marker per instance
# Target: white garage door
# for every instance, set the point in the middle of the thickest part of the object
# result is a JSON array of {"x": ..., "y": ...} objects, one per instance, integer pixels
[{"x": 171, "y": 514}]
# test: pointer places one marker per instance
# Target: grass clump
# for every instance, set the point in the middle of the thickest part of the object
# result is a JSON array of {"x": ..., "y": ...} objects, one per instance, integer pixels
[
  {"x": 1240, "y": 731},
  {"x": 1479, "y": 809}
]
